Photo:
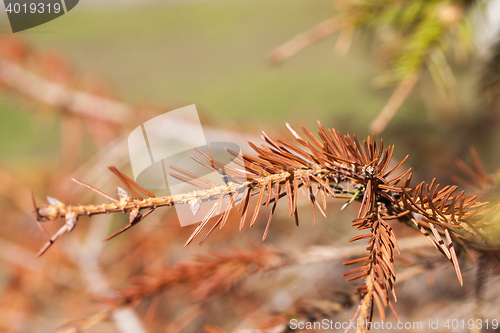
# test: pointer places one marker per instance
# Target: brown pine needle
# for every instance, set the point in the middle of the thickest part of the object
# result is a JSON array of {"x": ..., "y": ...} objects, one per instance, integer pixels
[{"x": 92, "y": 188}]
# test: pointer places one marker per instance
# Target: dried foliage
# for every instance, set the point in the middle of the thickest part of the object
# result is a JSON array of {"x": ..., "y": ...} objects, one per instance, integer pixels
[
  {"x": 333, "y": 165},
  {"x": 76, "y": 272},
  {"x": 207, "y": 276}
]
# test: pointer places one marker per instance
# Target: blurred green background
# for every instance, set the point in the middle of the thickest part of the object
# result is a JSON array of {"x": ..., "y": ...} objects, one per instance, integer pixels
[{"x": 213, "y": 54}]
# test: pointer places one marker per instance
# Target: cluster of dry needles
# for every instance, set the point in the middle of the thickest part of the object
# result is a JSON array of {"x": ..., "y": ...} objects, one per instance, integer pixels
[{"x": 330, "y": 164}]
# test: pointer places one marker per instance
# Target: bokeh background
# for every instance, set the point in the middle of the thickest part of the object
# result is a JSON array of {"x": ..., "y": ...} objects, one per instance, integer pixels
[{"x": 157, "y": 56}]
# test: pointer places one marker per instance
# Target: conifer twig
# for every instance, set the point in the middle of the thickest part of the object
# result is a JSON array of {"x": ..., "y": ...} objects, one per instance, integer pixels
[{"x": 335, "y": 165}]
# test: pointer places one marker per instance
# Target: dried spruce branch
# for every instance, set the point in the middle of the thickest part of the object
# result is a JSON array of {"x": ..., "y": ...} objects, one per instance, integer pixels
[
  {"x": 207, "y": 276},
  {"x": 335, "y": 165}
]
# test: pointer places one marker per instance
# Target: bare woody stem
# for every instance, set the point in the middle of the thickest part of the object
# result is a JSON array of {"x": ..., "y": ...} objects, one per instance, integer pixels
[
  {"x": 127, "y": 204},
  {"x": 366, "y": 304},
  {"x": 52, "y": 212}
]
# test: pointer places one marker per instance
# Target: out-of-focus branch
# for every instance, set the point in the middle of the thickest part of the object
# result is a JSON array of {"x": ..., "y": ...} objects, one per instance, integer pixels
[
  {"x": 318, "y": 254},
  {"x": 394, "y": 103},
  {"x": 303, "y": 40},
  {"x": 21, "y": 257},
  {"x": 87, "y": 259},
  {"x": 15, "y": 191},
  {"x": 210, "y": 276},
  {"x": 218, "y": 272},
  {"x": 58, "y": 96},
  {"x": 188, "y": 316},
  {"x": 303, "y": 310}
]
